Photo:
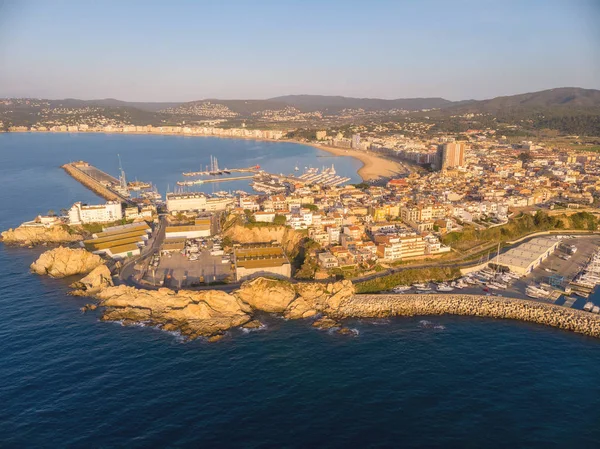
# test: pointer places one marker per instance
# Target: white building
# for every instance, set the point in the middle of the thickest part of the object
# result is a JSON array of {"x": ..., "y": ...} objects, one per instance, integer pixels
[
  {"x": 96, "y": 213},
  {"x": 179, "y": 202}
]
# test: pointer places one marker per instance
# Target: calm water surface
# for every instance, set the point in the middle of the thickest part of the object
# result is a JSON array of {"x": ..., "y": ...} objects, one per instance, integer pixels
[{"x": 67, "y": 379}]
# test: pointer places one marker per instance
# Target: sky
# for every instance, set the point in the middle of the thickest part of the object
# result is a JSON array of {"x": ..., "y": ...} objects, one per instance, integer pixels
[{"x": 251, "y": 49}]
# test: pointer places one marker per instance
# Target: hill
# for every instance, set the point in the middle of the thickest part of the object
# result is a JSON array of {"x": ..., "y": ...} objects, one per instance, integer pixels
[
  {"x": 334, "y": 104},
  {"x": 564, "y": 97}
]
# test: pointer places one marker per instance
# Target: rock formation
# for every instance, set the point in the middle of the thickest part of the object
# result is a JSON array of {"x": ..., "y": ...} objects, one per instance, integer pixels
[
  {"x": 61, "y": 262},
  {"x": 33, "y": 235},
  {"x": 210, "y": 313},
  {"x": 98, "y": 279},
  {"x": 268, "y": 295},
  {"x": 193, "y": 313}
]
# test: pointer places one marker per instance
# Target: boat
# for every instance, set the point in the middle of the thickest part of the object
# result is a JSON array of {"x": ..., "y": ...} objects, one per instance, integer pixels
[
  {"x": 444, "y": 288},
  {"x": 588, "y": 306},
  {"x": 420, "y": 285},
  {"x": 424, "y": 289},
  {"x": 401, "y": 288}
]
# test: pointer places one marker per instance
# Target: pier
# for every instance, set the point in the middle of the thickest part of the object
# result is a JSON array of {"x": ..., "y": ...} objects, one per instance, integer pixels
[
  {"x": 97, "y": 181},
  {"x": 206, "y": 181}
]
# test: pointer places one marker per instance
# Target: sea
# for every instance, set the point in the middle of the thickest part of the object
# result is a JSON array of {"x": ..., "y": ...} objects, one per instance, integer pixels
[{"x": 69, "y": 380}]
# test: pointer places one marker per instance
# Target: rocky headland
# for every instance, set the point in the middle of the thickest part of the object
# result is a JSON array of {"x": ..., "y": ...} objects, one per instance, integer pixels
[
  {"x": 209, "y": 313},
  {"x": 35, "y": 235},
  {"x": 62, "y": 262}
]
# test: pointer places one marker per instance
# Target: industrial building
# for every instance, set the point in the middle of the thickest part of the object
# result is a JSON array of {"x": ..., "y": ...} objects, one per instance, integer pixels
[
  {"x": 201, "y": 228},
  {"x": 261, "y": 259},
  {"x": 527, "y": 256},
  {"x": 119, "y": 242}
]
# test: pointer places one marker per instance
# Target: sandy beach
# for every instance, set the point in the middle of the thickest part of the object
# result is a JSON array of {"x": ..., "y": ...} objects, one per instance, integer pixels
[{"x": 374, "y": 166}]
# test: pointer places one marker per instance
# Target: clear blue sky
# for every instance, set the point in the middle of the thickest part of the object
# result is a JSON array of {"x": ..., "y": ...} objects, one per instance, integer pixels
[{"x": 189, "y": 50}]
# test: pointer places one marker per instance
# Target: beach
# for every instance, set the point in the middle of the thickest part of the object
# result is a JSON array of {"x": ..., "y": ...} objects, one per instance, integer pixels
[{"x": 374, "y": 165}]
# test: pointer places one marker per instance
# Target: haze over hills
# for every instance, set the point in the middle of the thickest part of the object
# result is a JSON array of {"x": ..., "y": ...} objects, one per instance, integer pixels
[{"x": 567, "y": 109}]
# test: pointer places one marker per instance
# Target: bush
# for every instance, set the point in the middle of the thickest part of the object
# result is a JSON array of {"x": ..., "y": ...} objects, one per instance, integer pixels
[{"x": 407, "y": 277}]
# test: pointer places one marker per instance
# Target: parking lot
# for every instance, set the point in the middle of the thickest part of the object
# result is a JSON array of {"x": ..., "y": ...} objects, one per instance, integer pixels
[{"x": 200, "y": 261}]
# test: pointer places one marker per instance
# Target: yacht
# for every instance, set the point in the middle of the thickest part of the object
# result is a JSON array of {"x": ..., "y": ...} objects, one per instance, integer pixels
[
  {"x": 401, "y": 288},
  {"x": 420, "y": 285},
  {"x": 444, "y": 288}
]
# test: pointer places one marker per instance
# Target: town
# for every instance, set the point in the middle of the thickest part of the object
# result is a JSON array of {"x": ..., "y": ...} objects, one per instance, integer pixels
[{"x": 459, "y": 202}]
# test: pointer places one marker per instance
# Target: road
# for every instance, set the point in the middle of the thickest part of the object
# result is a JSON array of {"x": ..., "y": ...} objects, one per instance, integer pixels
[{"x": 127, "y": 272}]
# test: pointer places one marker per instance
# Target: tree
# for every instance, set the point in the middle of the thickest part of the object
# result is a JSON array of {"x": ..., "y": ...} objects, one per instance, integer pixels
[
  {"x": 524, "y": 157},
  {"x": 51, "y": 213},
  {"x": 311, "y": 207},
  {"x": 279, "y": 220}
]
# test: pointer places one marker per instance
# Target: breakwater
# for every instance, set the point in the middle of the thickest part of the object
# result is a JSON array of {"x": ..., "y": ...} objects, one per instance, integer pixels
[
  {"x": 375, "y": 306},
  {"x": 94, "y": 185}
]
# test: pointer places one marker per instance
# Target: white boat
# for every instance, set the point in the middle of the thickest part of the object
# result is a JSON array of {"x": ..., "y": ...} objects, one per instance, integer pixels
[
  {"x": 401, "y": 288},
  {"x": 444, "y": 288},
  {"x": 424, "y": 289},
  {"x": 588, "y": 306},
  {"x": 420, "y": 285},
  {"x": 595, "y": 309}
]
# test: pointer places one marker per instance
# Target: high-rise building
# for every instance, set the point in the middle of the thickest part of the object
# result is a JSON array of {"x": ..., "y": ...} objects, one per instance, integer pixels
[
  {"x": 356, "y": 141},
  {"x": 451, "y": 155}
]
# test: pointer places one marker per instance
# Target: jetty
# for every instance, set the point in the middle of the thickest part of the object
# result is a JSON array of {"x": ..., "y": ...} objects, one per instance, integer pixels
[
  {"x": 205, "y": 181},
  {"x": 99, "y": 182}
]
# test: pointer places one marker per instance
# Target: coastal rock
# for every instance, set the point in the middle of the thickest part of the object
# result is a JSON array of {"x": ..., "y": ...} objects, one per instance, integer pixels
[
  {"x": 269, "y": 295},
  {"x": 99, "y": 278},
  {"x": 61, "y": 262},
  {"x": 254, "y": 324},
  {"x": 34, "y": 235},
  {"x": 193, "y": 313},
  {"x": 315, "y": 297},
  {"x": 326, "y": 323}
]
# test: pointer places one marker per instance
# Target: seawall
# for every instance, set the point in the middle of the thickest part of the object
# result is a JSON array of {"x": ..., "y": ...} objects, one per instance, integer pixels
[
  {"x": 373, "y": 306},
  {"x": 93, "y": 185}
]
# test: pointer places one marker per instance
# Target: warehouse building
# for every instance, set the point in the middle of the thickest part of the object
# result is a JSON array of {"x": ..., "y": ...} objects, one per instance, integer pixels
[
  {"x": 119, "y": 242},
  {"x": 261, "y": 259},
  {"x": 527, "y": 256}
]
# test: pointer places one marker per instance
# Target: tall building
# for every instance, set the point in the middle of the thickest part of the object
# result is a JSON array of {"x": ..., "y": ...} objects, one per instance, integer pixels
[
  {"x": 451, "y": 155},
  {"x": 356, "y": 141}
]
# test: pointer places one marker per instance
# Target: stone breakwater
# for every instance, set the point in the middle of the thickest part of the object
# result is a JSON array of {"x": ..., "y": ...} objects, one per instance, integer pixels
[{"x": 375, "y": 306}]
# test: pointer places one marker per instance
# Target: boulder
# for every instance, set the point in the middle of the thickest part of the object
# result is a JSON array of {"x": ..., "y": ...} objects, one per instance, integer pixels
[
  {"x": 269, "y": 295},
  {"x": 34, "y": 235},
  {"x": 61, "y": 262},
  {"x": 98, "y": 279}
]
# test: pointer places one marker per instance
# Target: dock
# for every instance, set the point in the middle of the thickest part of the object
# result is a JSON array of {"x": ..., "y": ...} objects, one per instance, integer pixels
[
  {"x": 206, "y": 181},
  {"x": 97, "y": 181}
]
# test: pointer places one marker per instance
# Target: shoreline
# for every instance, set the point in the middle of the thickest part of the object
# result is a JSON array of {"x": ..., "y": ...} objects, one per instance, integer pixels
[{"x": 374, "y": 167}]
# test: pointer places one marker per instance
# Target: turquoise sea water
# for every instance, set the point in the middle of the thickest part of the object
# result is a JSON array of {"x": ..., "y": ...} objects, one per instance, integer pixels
[{"x": 68, "y": 380}]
